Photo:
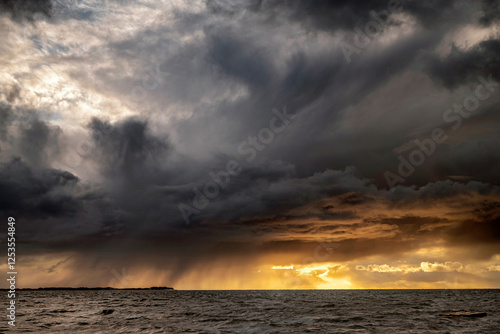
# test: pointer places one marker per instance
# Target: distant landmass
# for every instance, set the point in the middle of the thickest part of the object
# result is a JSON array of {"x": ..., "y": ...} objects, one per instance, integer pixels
[{"x": 95, "y": 288}]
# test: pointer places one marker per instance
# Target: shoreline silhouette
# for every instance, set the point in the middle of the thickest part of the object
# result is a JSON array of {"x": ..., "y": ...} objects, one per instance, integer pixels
[{"x": 91, "y": 288}]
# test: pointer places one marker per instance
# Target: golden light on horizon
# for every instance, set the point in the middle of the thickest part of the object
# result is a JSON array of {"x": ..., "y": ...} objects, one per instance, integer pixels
[{"x": 68, "y": 271}]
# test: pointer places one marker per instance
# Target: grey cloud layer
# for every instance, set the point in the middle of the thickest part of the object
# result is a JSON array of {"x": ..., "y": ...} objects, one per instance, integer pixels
[{"x": 221, "y": 77}]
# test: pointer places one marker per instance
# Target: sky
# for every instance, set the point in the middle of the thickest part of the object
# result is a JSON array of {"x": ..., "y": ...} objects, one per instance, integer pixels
[{"x": 251, "y": 144}]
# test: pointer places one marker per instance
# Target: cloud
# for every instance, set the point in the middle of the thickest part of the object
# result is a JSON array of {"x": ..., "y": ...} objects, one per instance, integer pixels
[
  {"x": 491, "y": 10},
  {"x": 34, "y": 139},
  {"x": 240, "y": 59},
  {"x": 146, "y": 115},
  {"x": 37, "y": 193},
  {"x": 127, "y": 151},
  {"x": 26, "y": 9},
  {"x": 5, "y": 119},
  {"x": 333, "y": 15},
  {"x": 462, "y": 66}
]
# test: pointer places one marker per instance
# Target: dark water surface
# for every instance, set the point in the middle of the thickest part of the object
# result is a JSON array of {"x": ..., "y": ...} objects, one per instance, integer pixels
[{"x": 306, "y": 311}]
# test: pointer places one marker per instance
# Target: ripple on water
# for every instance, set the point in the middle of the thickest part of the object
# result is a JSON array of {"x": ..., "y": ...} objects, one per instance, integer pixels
[{"x": 258, "y": 312}]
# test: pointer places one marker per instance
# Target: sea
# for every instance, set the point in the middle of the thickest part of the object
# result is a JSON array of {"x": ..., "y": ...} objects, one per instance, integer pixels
[{"x": 257, "y": 311}]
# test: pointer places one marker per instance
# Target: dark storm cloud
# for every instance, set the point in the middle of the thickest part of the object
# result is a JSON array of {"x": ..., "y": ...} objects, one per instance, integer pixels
[
  {"x": 307, "y": 77},
  {"x": 26, "y": 9},
  {"x": 271, "y": 191},
  {"x": 346, "y": 14},
  {"x": 25, "y": 135},
  {"x": 491, "y": 9},
  {"x": 255, "y": 201},
  {"x": 258, "y": 194},
  {"x": 143, "y": 185},
  {"x": 322, "y": 14},
  {"x": 231, "y": 74},
  {"x": 127, "y": 150},
  {"x": 41, "y": 193},
  {"x": 29, "y": 187},
  {"x": 240, "y": 59},
  {"x": 339, "y": 87},
  {"x": 321, "y": 81},
  {"x": 142, "y": 193},
  {"x": 462, "y": 66}
]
